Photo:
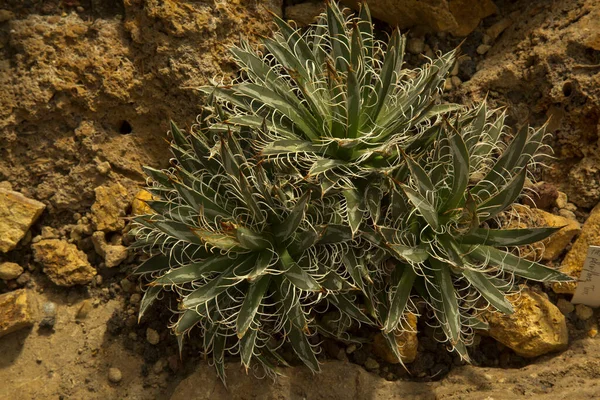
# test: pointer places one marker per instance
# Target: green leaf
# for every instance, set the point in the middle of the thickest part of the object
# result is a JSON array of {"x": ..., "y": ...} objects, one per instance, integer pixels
[
  {"x": 348, "y": 307},
  {"x": 187, "y": 320},
  {"x": 460, "y": 177},
  {"x": 158, "y": 262},
  {"x": 290, "y": 225},
  {"x": 251, "y": 240},
  {"x": 410, "y": 254},
  {"x": 218, "y": 285},
  {"x": 339, "y": 41},
  {"x": 262, "y": 263},
  {"x": 425, "y": 208},
  {"x": 489, "y": 292},
  {"x": 519, "y": 266},
  {"x": 302, "y": 348},
  {"x": 218, "y": 240},
  {"x": 507, "y": 237},
  {"x": 504, "y": 198},
  {"x": 373, "y": 197},
  {"x": 353, "y": 208},
  {"x": 399, "y": 299},
  {"x": 297, "y": 275},
  {"x": 446, "y": 305},
  {"x": 353, "y": 104},
  {"x": 323, "y": 165},
  {"x": 420, "y": 176},
  {"x": 251, "y": 303},
  {"x": 247, "y": 345},
  {"x": 195, "y": 271},
  {"x": 280, "y": 147},
  {"x": 334, "y": 233},
  {"x": 150, "y": 296}
]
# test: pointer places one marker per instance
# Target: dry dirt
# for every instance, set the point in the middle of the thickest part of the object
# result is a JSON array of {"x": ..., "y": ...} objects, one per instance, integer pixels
[{"x": 86, "y": 99}]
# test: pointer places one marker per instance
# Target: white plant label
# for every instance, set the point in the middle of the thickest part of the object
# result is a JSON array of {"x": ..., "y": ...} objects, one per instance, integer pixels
[{"x": 588, "y": 286}]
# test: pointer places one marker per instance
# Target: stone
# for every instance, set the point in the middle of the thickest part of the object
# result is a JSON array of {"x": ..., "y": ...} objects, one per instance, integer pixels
[
  {"x": 460, "y": 17},
  {"x": 110, "y": 207},
  {"x": 84, "y": 310},
  {"x": 496, "y": 30},
  {"x": 16, "y": 311},
  {"x": 543, "y": 196},
  {"x": 563, "y": 212},
  {"x": 113, "y": 255},
  {"x": 6, "y": 15},
  {"x": 48, "y": 315},
  {"x": 407, "y": 341},
  {"x": 63, "y": 263},
  {"x": 10, "y": 270},
  {"x": 456, "y": 82},
  {"x": 152, "y": 336},
  {"x": 572, "y": 264},
  {"x": 304, "y": 13},
  {"x": 115, "y": 375},
  {"x": 483, "y": 48},
  {"x": 537, "y": 326},
  {"x": 371, "y": 364},
  {"x": 139, "y": 206},
  {"x": 415, "y": 45},
  {"x": 583, "y": 312},
  {"x": 565, "y": 307},
  {"x": 551, "y": 248},
  {"x": 561, "y": 200},
  {"x": 17, "y": 214}
]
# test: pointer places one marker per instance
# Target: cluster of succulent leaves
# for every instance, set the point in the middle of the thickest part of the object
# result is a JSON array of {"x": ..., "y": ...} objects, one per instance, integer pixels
[{"x": 329, "y": 179}]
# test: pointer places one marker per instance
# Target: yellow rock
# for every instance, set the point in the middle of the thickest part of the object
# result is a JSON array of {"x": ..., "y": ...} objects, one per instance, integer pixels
[
  {"x": 63, "y": 263},
  {"x": 16, "y": 311},
  {"x": 110, "y": 207},
  {"x": 17, "y": 214},
  {"x": 139, "y": 206},
  {"x": 550, "y": 248},
  {"x": 573, "y": 262},
  {"x": 407, "y": 340},
  {"x": 537, "y": 326}
]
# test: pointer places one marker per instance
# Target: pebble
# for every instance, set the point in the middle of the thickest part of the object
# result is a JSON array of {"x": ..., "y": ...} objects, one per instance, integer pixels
[
  {"x": 126, "y": 285},
  {"x": 415, "y": 45},
  {"x": 351, "y": 349},
  {"x": 84, "y": 309},
  {"x": 152, "y": 336},
  {"x": 371, "y": 364},
  {"x": 583, "y": 312},
  {"x": 135, "y": 298},
  {"x": 565, "y": 307},
  {"x": 567, "y": 214},
  {"x": 10, "y": 270},
  {"x": 115, "y": 375},
  {"x": 561, "y": 200},
  {"x": 49, "y": 315},
  {"x": 486, "y": 39},
  {"x": 483, "y": 48},
  {"x": 456, "y": 82},
  {"x": 448, "y": 84},
  {"x": 455, "y": 69}
]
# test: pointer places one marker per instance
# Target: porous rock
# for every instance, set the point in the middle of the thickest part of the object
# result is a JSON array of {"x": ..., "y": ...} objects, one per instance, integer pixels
[
  {"x": 537, "y": 326},
  {"x": 10, "y": 270},
  {"x": 63, "y": 263},
  {"x": 138, "y": 205},
  {"x": 573, "y": 261},
  {"x": 16, "y": 311},
  {"x": 304, "y": 13},
  {"x": 407, "y": 341},
  {"x": 113, "y": 254},
  {"x": 17, "y": 214},
  {"x": 110, "y": 207},
  {"x": 460, "y": 17}
]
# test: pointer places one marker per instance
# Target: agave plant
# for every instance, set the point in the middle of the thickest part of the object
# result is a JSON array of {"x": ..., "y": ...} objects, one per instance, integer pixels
[
  {"x": 335, "y": 101},
  {"x": 437, "y": 221},
  {"x": 248, "y": 252}
]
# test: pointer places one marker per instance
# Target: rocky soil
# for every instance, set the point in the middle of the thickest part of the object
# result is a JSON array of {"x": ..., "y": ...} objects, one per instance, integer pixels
[{"x": 88, "y": 88}]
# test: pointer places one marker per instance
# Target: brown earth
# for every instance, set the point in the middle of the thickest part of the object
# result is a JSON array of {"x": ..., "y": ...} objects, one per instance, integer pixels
[{"x": 86, "y": 97}]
